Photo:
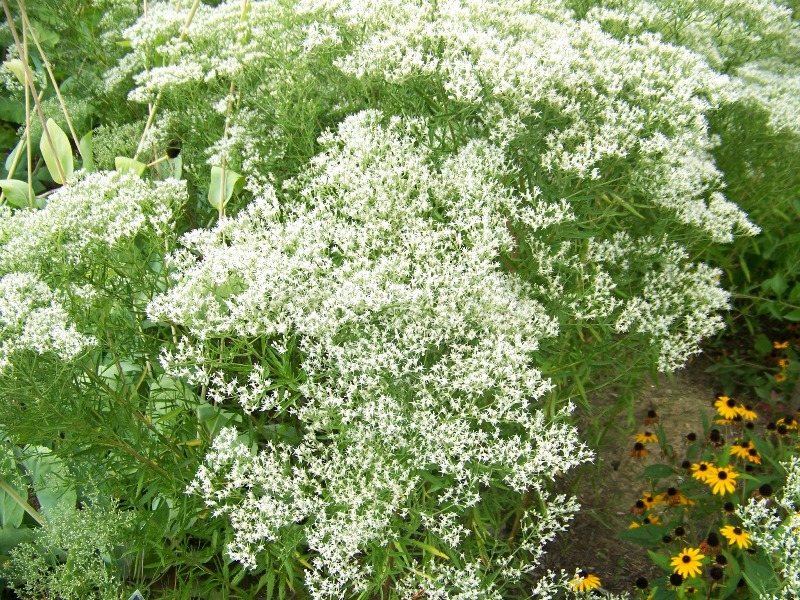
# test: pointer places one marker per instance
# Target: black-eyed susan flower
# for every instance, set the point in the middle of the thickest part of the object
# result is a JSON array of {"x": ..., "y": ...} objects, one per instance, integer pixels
[
  {"x": 688, "y": 562},
  {"x": 764, "y": 490},
  {"x": 676, "y": 579},
  {"x": 715, "y": 573},
  {"x": 710, "y": 545},
  {"x": 741, "y": 448},
  {"x": 729, "y": 508},
  {"x": 753, "y": 456},
  {"x": 702, "y": 470},
  {"x": 726, "y": 407},
  {"x": 722, "y": 480},
  {"x": 639, "y": 451},
  {"x": 780, "y": 345},
  {"x": 583, "y": 582},
  {"x": 650, "y": 500},
  {"x": 674, "y": 497},
  {"x": 746, "y": 412},
  {"x": 736, "y": 535},
  {"x": 788, "y": 421},
  {"x": 651, "y": 417},
  {"x": 638, "y": 507},
  {"x": 783, "y": 362},
  {"x": 780, "y": 376},
  {"x": 646, "y": 437},
  {"x": 715, "y": 437},
  {"x": 641, "y": 583}
]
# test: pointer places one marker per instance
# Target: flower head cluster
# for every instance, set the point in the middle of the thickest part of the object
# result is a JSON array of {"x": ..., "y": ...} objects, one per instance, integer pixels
[{"x": 417, "y": 349}]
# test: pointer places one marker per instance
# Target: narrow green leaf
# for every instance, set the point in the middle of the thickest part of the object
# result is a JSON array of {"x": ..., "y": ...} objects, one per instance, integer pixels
[
  {"x": 793, "y": 315},
  {"x": 224, "y": 183},
  {"x": 60, "y": 153},
  {"x": 16, "y": 192},
  {"x": 128, "y": 165},
  {"x": 11, "y": 511},
  {"x": 86, "y": 152},
  {"x": 646, "y": 535}
]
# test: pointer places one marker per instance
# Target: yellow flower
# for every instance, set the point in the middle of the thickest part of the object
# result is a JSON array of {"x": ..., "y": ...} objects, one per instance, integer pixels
[
  {"x": 687, "y": 563},
  {"x": 747, "y": 413},
  {"x": 735, "y": 535},
  {"x": 646, "y": 437},
  {"x": 740, "y": 449},
  {"x": 780, "y": 376},
  {"x": 583, "y": 582},
  {"x": 726, "y": 407},
  {"x": 722, "y": 480},
  {"x": 783, "y": 363},
  {"x": 702, "y": 470},
  {"x": 780, "y": 345}
]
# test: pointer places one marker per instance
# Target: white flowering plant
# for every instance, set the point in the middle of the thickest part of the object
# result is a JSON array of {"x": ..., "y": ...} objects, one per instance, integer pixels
[{"x": 356, "y": 267}]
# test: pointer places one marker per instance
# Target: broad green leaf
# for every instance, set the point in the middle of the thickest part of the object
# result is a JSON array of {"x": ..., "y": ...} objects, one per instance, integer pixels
[
  {"x": 16, "y": 192},
  {"x": 657, "y": 471},
  {"x": 763, "y": 344},
  {"x": 646, "y": 535},
  {"x": 760, "y": 576},
  {"x": 128, "y": 165},
  {"x": 12, "y": 111},
  {"x": 45, "y": 36},
  {"x": 85, "y": 149},
  {"x": 662, "y": 560},
  {"x": 224, "y": 183},
  {"x": 11, "y": 511},
  {"x": 48, "y": 473},
  {"x": 793, "y": 315},
  {"x": 59, "y": 153},
  {"x": 12, "y": 155},
  {"x": 12, "y": 536},
  {"x": 171, "y": 168},
  {"x": 16, "y": 66}
]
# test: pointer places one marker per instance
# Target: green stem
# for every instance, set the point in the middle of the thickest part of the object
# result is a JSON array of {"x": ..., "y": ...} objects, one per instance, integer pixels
[{"x": 21, "y": 501}]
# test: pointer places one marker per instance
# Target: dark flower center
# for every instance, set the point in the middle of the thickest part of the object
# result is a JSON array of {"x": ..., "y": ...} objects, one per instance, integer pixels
[
  {"x": 731, "y": 402},
  {"x": 722, "y": 475},
  {"x": 686, "y": 558},
  {"x": 737, "y": 531}
]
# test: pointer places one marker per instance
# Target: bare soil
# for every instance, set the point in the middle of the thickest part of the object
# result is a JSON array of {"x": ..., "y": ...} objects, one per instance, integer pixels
[{"x": 608, "y": 489}]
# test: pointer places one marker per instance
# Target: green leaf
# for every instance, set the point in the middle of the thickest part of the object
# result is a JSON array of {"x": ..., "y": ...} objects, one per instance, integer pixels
[
  {"x": 760, "y": 576},
  {"x": 16, "y": 192},
  {"x": 12, "y": 111},
  {"x": 13, "y": 537},
  {"x": 646, "y": 535},
  {"x": 48, "y": 473},
  {"x": 662, "y": 560},
  {"x": 12, "y": 155},
  {"x": 16, "y": 66},
  {"x": 128, "y": 165},
  {"x": 224, "y": 183},
  {"x": 763, "y": 345},
  {"x": 776, "y": 283},
  {"x": 793, "y": 315},
  {"x": 11, "y": 511},
  {"x": 85, "y": 149},
  {"x": 60, "y": 153},
  {"x": 170, "y": 168},
  {"x": 657, "y": 471}
]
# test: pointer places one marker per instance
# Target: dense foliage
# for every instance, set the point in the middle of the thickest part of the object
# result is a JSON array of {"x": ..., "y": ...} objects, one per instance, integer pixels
[{"x": 298, "y": 299}]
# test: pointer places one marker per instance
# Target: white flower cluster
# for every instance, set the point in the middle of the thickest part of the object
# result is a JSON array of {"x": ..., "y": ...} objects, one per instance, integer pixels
[
  {"x": 89, "y": 215},
  {"x": 726, "y": 32},
  {"x": 597, "y": 102},
  {"x": 82, "y": 225},
  {"x": 418, "y": 348},
  {"x": 773, "y": 85},
  {"x": 679, "y": 302},
  {"x": 779, "y": 536},
  {"x": 33, "y": 318}
]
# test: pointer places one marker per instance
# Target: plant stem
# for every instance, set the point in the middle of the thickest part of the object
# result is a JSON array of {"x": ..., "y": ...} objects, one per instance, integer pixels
[{"x": 21, "y": 501}]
